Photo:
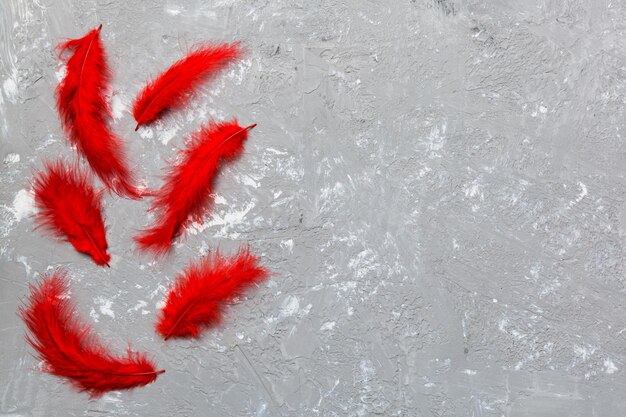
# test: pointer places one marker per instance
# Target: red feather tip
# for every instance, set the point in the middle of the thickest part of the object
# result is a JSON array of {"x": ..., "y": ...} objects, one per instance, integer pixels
[
  {"x": 197, "y": 298},
  {"x": 71, "y": 209},
  {"x": 186, "y": 193},
  {"x": 82, "y": 105},
  {"x": 68, "y": 348},
  {"x": 173, "y": 87}
]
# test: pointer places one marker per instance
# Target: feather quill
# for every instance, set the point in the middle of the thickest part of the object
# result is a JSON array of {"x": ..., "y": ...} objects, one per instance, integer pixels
[
  {"x": 186, "y": 193},
  {"x": 68, "y": 348},
  {"x": 82, "y": 105},
  {"x": 197, "y": 299},
  {"x": 70, "y": 208},
  {"x": 173, "y": 87}
]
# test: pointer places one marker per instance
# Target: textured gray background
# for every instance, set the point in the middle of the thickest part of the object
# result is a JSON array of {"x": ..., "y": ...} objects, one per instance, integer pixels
[{"x": 439, "y": 186}]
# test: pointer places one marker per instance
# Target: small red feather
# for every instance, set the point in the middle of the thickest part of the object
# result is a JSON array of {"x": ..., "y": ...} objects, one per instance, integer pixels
[
  {"x": 172, "y": 88},
  {"x": 71, "y": 209},
  {"x": 197, "y": 298},
  {"x": 68, "y": 348},
  {"x": 84, "y": 111},
  {"x": 188, "y": 186}
]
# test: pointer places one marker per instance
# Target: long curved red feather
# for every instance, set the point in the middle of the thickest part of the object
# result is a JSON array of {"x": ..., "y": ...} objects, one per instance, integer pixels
[
  {"x": 81, "y": 102},
  {"x": 188, "y": 185},
  {"x": 197, "y": 298},
  {"x": 71, "y": 209},
  {"x": 173, "y": 87},
  {"x": 68, "y": 348}
]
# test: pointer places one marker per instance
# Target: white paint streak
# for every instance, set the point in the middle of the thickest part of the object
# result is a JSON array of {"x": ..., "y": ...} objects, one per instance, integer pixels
[
  {"x": 363, "y": 263},
  {"x": 104, "y": 305},
  {"x": 609, "y": 366},
  {"x": 60, "y": 74},
  {"x": 246, "y": 179},
  {"x": 225, "y": 219},
  {"x": 218, "y": 199},
  {"x": 166, "y": 135},
  {"x": 117, "y": 107},
  {"x": 329, "y": 325},
  {"x": 140, "y": 304},
  {"x": 287, "y": 244},
  {"x": 24, "y": 261},
  {"x": 173, "y": 10},
  {"x": 23, "y": 205},
  {"x": 146, "y": 133},
  {"x": 584, "y": 352},
  {"x": 12, "y": 158},
  {"x": 94, "y": 315},
  {"x": 502, "y": 325},
  {"x": 10, "y": 89},
  {"x": 290, "y": 306},
  {"x": 583, "y": 191}
]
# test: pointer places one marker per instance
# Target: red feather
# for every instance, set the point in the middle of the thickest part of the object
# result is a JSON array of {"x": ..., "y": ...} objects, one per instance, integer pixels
[
  {"x": 84, "y": 112},
  {"x": 68, "y": 348},
  {"x": 196, "y": 300},
  {"x": 189, "y": 184},
  {"x": 172, "y": 88},
  {"x": 71, "y": 209}
]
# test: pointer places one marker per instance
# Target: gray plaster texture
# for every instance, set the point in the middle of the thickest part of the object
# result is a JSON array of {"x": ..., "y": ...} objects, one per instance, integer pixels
[{"x": 437, "y": 185}]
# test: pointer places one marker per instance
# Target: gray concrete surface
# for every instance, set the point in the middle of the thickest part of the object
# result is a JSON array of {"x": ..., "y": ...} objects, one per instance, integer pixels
[{"x": 439, "y": 186}]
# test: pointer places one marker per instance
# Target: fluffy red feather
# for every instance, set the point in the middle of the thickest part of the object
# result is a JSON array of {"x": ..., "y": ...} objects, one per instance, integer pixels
[
  {"x": 197, "y": 298},
  {"x": 71, "y": 209},
  {"x": 68, "y": 348},
  {"x": 84, "y": 111},
  {"x": 189, "y": 184},
  {"x": 172, "y": 88}
]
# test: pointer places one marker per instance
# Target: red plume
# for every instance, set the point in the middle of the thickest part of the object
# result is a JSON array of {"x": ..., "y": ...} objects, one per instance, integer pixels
[
  {"x": 84, "y": 112},
  {"x": 71, "y": 209},
  {"x": 197, "y": 298},
  {"x": 172, "y": 88},
  {"x": 68, "y": 348},
  {"x": 189, "y": 184}
]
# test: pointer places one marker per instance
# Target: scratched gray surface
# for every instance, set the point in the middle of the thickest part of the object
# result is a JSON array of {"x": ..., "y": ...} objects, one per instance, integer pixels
[{"x": 438, "y": 185}]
